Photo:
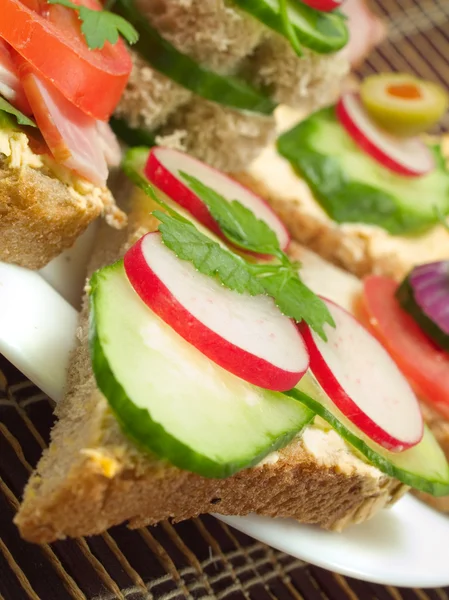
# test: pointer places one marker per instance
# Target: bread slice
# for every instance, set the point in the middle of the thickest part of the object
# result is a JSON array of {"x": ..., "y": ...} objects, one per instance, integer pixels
[
  {"x": 226, "y": 40},
  {"x": 359, "y": 248},
  {"x": 43, "y": 207},
  {"x": 92, "y": 477}
]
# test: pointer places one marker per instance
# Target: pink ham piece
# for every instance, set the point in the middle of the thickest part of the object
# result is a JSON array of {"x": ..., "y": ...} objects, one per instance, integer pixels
[
  {"x": 109, "y": 143},
  {"x": 71, "y": 135},
  {"x": 10, "y": 87},
  {"x": 366, "y": 31}
]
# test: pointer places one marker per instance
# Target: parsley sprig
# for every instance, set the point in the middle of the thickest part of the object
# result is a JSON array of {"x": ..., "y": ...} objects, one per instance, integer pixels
[
  {"x": 101, "y": 26},
  {"x": 278, "y": 278}
]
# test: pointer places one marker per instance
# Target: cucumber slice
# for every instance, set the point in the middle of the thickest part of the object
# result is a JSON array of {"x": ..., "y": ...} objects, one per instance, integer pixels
[
  {"x": 179, "y": 67},
  {"x": 131, "y": 136},
  {"x": 170, "y": 398},
  {"x": 423, "y": 467},
  {"x": 353, "y": 188},
  {"x": 323, "y": 32}
]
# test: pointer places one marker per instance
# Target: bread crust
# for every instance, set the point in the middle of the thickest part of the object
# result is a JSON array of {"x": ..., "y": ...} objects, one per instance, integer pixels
[
  {"x": 92, "y": 477},
  {"x": 38, "y": 217}
]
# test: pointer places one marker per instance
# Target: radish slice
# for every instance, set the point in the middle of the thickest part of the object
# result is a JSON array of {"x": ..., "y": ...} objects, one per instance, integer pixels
[
  {"x": 323, "y": 5},
  {"x": 409, "y": 156},
  {"x": 363, "y": 381},
  {"x": 163, "y": 167},
  {"x": 246, "y": 335}
]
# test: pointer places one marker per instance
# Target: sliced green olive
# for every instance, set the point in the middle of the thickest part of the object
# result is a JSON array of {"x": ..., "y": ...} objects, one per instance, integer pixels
[{"x": 402, "y": 104}]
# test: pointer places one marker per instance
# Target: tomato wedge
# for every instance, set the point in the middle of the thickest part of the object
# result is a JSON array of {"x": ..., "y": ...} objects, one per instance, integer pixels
[
  {"x": 49, "y": 37},
  {"x": 425, "y": 365},
  {"x": 323, "y": 5}
]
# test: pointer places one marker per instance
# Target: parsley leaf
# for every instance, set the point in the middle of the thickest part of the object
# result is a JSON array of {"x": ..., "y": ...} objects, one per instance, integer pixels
[
  {"x": 296, "y": 300},
  {"x": 238, "y": 223},
  {"x": 278, "y": 278},
  {"x": 184, "y": 239},
  {"x": 101, "y": 26},
  {"x": 21, "y": 119}
]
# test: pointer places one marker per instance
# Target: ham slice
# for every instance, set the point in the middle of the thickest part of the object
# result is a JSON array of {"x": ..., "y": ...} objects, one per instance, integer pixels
[
  {"x": 366, "y": 31},
  {"x": 71, "y": 135},
  {"x": 109, "y": 143},
  {"x": 10, "y": 86}
]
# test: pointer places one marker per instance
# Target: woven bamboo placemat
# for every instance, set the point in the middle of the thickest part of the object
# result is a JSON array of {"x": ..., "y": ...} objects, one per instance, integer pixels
[{"x": 201, "y": 558}]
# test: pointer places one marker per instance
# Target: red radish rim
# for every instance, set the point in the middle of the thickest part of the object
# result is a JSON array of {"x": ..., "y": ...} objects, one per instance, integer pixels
[
  {"x": 147, "y": 285},
  {"x": 324, "y": 5},
  {"x": 345, "y": 404},
  {"x": 178, "y": 191},
  {"x": 369, "y": 147}
]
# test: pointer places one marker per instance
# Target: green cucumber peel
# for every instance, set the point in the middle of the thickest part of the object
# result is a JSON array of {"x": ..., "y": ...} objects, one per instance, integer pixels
[
  {"x": 122, "y": 364},
  {"x": 353, "y": 188},
  {"x": 414, "y": 467},
  {"x": 322, "y": 32},
  {"x": 165, "y": 58},
  {"x": 131, "y": 136}
]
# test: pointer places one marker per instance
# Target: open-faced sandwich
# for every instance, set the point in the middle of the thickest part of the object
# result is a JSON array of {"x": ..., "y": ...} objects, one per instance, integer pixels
[
  {"x": 208, "y": 74},
  {"x": 357, "y": 182},
  {"x": 209, "y": 378},
  {"x": 60, "y": 80}
]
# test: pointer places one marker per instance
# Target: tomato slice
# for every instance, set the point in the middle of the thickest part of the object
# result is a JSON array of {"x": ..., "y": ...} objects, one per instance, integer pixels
[
  {"x": 323, "y": 5},
  {"x": 425, "y": 365},
  {"x": 49, "y": 37}
]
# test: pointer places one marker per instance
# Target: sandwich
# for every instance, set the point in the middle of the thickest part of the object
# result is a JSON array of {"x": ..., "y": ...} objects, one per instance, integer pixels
[
  {"x": 361, "y": 182},
  {"x": 208, "y": 376},
  {"x": 207, "y": 76},
  {"x": 60, "y": 80}
]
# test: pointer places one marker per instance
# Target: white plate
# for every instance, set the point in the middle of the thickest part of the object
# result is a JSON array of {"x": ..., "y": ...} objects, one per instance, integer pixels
[{"x": 404, "y": 546}]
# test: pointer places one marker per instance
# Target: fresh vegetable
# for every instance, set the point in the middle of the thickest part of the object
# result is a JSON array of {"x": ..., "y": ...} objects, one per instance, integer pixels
[
  {"x": 424, "y": 294},
  {"x": 410, "y": 156},
  {"x": 246, "y": 335},
  {"x": 132, "y": 136},
  {"x": 93, "y": 80},
  {"x": 425, "y": 365},
  {"x": 100, "y": 26},
  {"x": 319, "y": 31},
  {"x": 179, "y": 176},
  {"x": 166, "y": 59},
  {"x": 71, "y": 135},
  {"x": 362, "y": 380},
  {"x": 423, "y": 467},
  {"x": 170, "y": 398},
  {"x": 324, "y": 5},
  {"x": 354, "y": 188},
  {"x": 402, "y": 104},
  {"x": 10, "y": 116},
  {"x": 280, "y": 280}
]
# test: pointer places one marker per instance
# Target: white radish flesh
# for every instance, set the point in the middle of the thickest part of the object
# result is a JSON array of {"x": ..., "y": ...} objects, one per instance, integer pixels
[
  {"x": 163, "y": 170},
  {"x": 246, "y": 335},
  {"x": 410, "y": 156},
  {"x": 363, "y": 381}
]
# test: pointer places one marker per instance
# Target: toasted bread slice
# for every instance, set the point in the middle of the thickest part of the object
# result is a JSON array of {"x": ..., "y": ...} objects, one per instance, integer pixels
[
  {"x": 359, "y": 248},
  {"x": 92, "y": 477},
  {"x": 43, "y": 207}
]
